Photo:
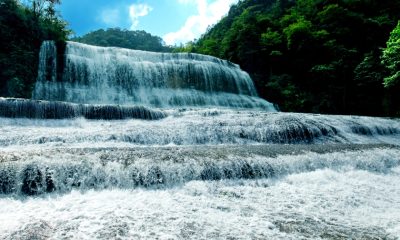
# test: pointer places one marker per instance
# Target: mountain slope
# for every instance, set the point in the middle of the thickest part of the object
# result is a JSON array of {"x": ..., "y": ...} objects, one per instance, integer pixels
[
  {"x": 115, "y": 37},
  {"x": 314, "y": 56}
]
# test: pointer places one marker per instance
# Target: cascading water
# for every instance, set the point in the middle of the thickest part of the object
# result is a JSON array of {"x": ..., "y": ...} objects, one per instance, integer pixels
[
  {"x": 123, "y": 144},
  {"x": 119, "y": 76}
]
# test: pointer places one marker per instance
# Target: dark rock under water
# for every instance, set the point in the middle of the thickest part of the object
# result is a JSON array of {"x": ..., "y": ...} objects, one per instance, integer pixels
[
  {"x": 25, "y": 108},
  {"x": 61, "y": 170}
]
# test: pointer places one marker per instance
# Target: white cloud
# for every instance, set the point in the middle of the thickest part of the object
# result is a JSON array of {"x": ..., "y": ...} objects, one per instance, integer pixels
[
  {"x": 207, "y": 14},
  {"x": 136, "y": 11},
  {"x": 110, "y": 17}
]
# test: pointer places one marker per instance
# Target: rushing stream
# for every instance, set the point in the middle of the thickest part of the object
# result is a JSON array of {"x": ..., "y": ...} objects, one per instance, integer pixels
[
  {"x": 119, "y": 76},
  {"x": 123, "y": 144}
]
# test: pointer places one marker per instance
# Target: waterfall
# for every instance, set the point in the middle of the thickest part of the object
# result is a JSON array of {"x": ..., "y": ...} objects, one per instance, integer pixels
[
  {"x": 111, "y": 75},
  {"x": 36, "y": 172},
  {"x": 189, "y": 128},
  {"x": 24, "y": 108},
  {"x": 125, "y": 144}
]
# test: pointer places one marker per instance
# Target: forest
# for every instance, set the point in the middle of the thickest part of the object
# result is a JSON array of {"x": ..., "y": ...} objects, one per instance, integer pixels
[
  {"x": 320, "y": 56},
  {"x": 116, "y": 37},
  {"x": 22, "y": 31}
]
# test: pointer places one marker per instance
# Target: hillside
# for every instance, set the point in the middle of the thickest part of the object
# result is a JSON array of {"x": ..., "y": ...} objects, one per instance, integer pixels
[
  {"x": 116, "y": 37},
  {"x": 23, "y": 28},
  {"x": 311, "y": 56}
]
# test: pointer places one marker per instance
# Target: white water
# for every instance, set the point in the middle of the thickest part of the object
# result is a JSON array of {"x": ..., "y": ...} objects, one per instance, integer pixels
[
  {"x": 199, "y": 127},
  {"x": 188, "y": 171},
  {"x": 326, "y": 203},
  {"x": 104, "y": 185},
  {"x": 99, "y": 75}
]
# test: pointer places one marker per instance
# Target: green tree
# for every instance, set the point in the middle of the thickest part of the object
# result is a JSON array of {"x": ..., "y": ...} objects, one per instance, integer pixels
[
  {"x": 116, "y": 37},
  {"x": 23, "y": 28},
  {"x": 391, "y": 58},
  {"x": 44, "y": 7},
  {"x": 310, "y": 55}
]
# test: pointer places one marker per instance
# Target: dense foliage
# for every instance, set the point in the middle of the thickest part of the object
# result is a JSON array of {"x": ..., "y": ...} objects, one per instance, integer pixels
[
  {"x": 313, "y": 55},
  {"x": 323, "y": 56},
  {"x": 115, "y": 37},
  {"x": 22, "y": 30},
  {"x": 391, "y": 58}
]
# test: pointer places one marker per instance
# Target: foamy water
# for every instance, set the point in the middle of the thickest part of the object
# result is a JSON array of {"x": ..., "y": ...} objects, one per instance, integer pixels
[
  {"x": 320, "y": 204},
  {"x": 201, "y": 127},
  {"x": 107, "y": 75},
  {"x": 205, "y": 158}
]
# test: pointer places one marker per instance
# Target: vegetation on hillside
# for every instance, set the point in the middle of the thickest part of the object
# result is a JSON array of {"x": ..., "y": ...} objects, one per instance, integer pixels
[
  {"x": 115, "y": 37},
  {"x": 322, "y": 56},
  {"x": 391, "y": 58},
  {"x": 22, "y": 30},
  {"x": 314, "y": 55}
]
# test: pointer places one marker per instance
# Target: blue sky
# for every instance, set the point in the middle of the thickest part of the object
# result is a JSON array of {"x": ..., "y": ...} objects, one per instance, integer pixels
[{"x": 176, "y": 21}]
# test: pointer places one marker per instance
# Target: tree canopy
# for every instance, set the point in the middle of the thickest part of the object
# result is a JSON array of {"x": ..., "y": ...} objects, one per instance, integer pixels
[
  {"x": 116, "y": 37},
  {"x": 22, "y": 30},
  {"x": 305, "y": 55},
  {"x": 391, "y": 58},
  {"x": 312, "y": 55}
]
